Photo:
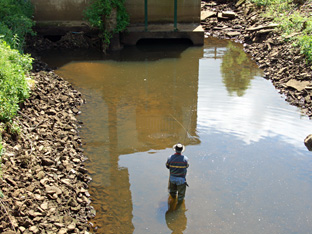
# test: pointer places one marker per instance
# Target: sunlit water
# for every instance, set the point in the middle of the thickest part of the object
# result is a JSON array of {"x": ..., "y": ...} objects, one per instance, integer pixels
[{"x": 249, "y": 169}]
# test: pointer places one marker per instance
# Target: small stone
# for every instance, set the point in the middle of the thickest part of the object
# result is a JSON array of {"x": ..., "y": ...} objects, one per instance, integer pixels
[
  {"x": 229, "y": 14},
  {"x": 53, "y": 190},
  {"x": 47, "y": 162},
  {"x": 44, "y": 181},
  {"x": 76, "y": 160},
  {"x": 207, "y": 14},
  {"x": 44, "y": 206},
  {"x": 40, "y": 175},
  {"x": 34, "y": 229},
  {"x": 71, "y": 226},
  {"x": 59, "y": 225},
  {"x": 34, "y": 214},
  {"x": 298, "y": 85},
  {"x": 83, "y": 170},
  {"x": 233, "y": 34},
  {"x": 62, "y": 231}
]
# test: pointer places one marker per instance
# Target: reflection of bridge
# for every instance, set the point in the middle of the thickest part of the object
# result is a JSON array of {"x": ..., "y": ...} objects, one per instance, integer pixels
[
  {"x": 148, "y": 19},
  {"x": 133, "y": 113}
]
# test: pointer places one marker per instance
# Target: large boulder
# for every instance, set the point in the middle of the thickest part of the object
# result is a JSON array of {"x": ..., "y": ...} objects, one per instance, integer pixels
[{"x": 308, "y": 142}]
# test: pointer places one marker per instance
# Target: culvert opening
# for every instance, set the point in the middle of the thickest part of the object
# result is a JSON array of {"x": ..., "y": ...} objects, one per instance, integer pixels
[
  {"x": 53, "y": 38},
  {"x": 165, "y": 41}
]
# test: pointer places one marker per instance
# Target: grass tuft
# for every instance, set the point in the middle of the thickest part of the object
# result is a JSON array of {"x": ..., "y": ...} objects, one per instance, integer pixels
[{"x": 292, "y": 20}]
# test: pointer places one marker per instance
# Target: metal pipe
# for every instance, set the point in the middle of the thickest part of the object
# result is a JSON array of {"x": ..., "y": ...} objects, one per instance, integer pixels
[{"x": 175, "y": 15}]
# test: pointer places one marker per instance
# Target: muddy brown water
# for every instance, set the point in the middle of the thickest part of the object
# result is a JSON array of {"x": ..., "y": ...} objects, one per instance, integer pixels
[{"x": 249, "y": 169}]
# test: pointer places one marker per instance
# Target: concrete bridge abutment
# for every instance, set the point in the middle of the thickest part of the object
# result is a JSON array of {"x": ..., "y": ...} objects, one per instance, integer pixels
[{"x": 149, "y": 19}]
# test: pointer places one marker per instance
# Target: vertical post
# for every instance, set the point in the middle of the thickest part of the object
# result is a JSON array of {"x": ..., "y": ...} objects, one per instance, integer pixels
[
  {"x": 145, "y": 14},
  {"x": 175, "y": 14}
]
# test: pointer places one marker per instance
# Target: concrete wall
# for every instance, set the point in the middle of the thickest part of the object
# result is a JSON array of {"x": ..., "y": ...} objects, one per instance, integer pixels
[
  {"x": 159, "y": 11},
  {"x": 162, "y": 11},
  {"x": 59, "y": 10}
]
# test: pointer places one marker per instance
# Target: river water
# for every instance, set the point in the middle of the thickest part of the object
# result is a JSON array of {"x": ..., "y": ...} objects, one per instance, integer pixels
[{"x": 249, "y": 169}]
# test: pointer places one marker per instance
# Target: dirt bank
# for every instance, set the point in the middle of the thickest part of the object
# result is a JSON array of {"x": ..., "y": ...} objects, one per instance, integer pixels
[
  {"x": 44, "y": 182},
  {"x": 282, "y": 63}
]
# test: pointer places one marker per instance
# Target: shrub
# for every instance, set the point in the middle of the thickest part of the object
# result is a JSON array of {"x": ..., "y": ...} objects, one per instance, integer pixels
[
  {"x": 99, "y": 9},
  {"x": 305, "y": 43},
  {"x": 13, "y": 85},
  {"x": 15, "y": 21}
]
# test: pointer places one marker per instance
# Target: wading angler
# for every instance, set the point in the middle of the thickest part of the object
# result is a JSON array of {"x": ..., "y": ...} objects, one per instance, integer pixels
[{"x": 177, "y": 165}]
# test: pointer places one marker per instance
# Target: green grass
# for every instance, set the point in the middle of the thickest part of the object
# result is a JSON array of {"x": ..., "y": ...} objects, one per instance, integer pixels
[{"x": 294, "y": 24}]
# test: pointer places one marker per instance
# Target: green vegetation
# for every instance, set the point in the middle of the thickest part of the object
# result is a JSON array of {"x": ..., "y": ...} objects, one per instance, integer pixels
[
  {"x": 15, "y": 22},
  {"x": 295, "y": 24},
  {"x": 1, "y": 153},
  {"x": 99, "y": 12},
  {"x": 13, "y": 89}
]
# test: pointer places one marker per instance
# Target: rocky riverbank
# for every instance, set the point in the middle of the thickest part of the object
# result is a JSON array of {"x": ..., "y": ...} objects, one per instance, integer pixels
[
  {"x": 44, "y": 182},
  {"x": 282, "y": 63}
]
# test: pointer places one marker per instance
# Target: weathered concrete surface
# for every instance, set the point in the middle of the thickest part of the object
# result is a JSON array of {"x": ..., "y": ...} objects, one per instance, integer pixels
[
  {"x": 160, "y": 20},
  {"x": 162, "y": 11},
  {"x": 58, "y": 17},
  {"x": 59, "y": 10},
  {"x": 159, "y": 11}
]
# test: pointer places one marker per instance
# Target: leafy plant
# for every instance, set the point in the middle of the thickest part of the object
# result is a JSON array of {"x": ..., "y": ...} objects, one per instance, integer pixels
[
  {"x": 13, "y": 86},
  {"x": 16, "y": 22},
  {"x": 305, "y": 43},
  {"x": 100, "y": 10},
  {"x": 14, "y": 128}
]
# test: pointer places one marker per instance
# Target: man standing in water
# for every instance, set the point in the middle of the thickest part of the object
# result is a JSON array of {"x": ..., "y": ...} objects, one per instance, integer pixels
[{"x": 177, "y": 164}]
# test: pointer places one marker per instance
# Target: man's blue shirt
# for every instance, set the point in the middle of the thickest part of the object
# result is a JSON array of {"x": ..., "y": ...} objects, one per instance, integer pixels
[{"x": 177, "y": 164}]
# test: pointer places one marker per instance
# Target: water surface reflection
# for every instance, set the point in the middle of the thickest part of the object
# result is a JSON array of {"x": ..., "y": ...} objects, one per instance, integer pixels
[{"x": 249, "y": 171}]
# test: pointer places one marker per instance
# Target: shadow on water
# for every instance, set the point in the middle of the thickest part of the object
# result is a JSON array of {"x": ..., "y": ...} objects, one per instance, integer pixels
[{"x": 146, "y": 50}]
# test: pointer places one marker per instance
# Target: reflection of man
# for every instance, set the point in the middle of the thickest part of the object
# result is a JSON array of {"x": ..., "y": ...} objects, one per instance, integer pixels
[
  {"x": 177, "y": 164},
  {"x": 175, "y": 216}
]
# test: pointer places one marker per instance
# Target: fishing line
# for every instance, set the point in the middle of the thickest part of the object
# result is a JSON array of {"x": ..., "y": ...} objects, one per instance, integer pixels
[{"x": 186, "y": 130}]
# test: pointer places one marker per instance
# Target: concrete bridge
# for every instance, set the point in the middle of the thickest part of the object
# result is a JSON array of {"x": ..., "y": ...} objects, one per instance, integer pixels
[{"x": 151, "y": 19}]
